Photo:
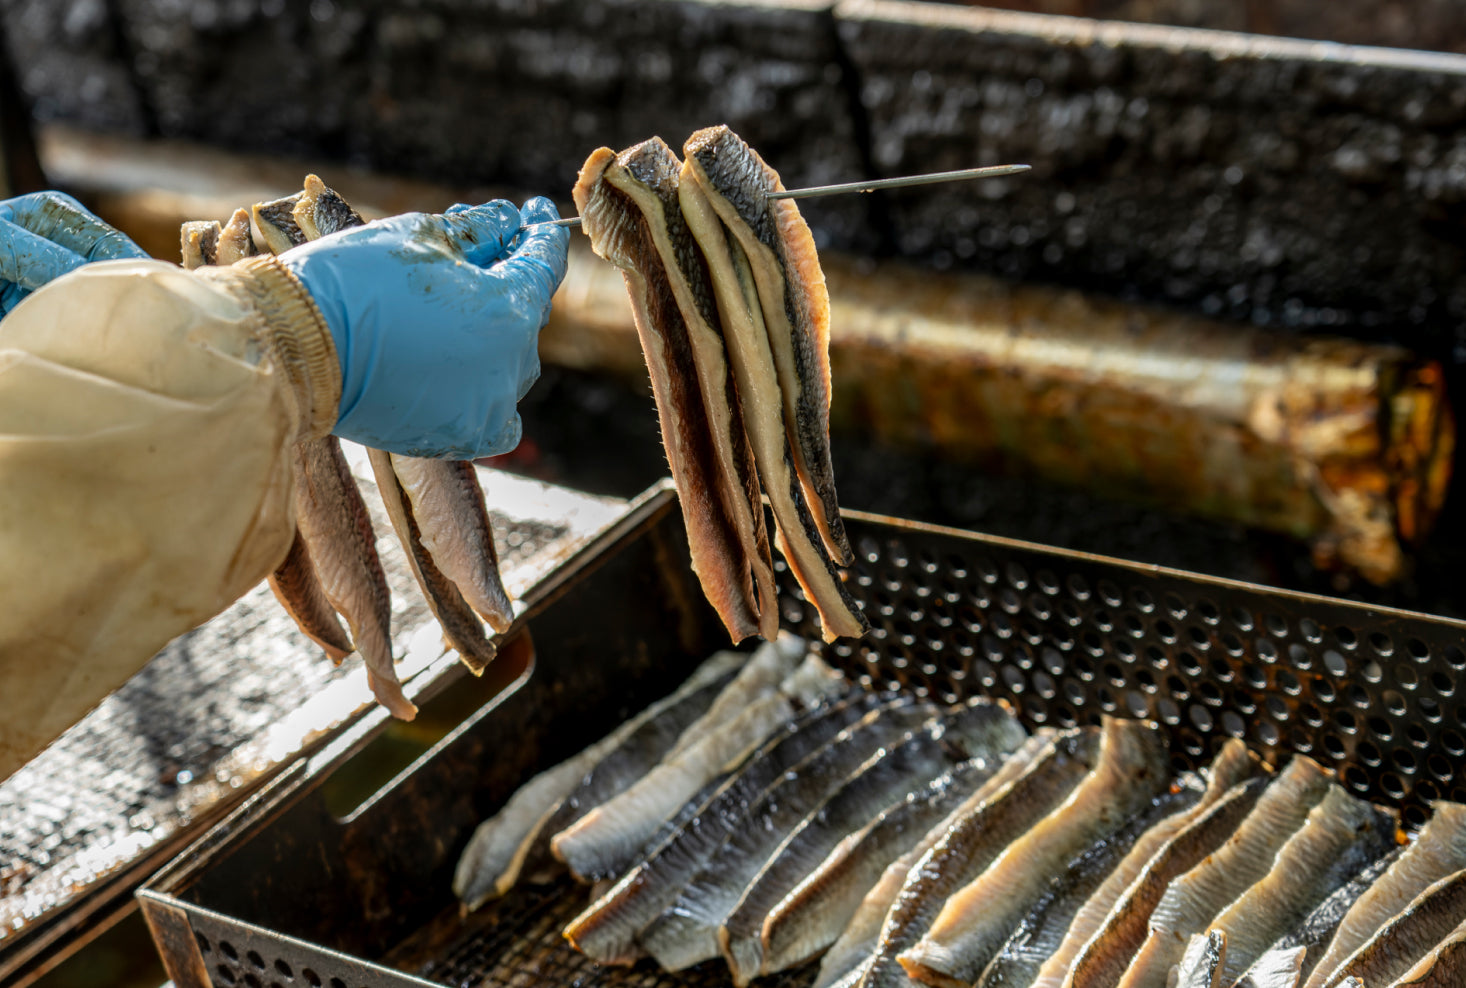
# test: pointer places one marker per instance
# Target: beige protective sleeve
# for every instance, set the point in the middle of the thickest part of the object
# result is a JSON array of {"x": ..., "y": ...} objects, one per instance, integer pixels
[{"x": 146, "y": 419}]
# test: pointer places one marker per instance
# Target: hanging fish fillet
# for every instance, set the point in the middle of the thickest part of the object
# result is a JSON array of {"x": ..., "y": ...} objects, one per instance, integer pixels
[
  {"x": 1341, "y": 836},
  {"x": 1429, "y": 918},
  {"x": 978, "y": 918},
  {"x": 976, "y": 728},
  {"x": 857, "y": 942},
  {"x": 606, "y": 931},
  {"x": 1203, "y": 965},
  {"x": 619, "y": 233},
  {"x": 1104, "y": 958},
  {"x": 1438, "y": 851},
  {"x": 1443, "y": 967},
  {"x": 1233, "y": 765},
  {"x": 795, "y": 303},
  {"x": 648, "y": 175},
  {"x": 299, "y": 591},
  {"x": 491, "y": 863},
  {"x": 1195, "y": 898}
]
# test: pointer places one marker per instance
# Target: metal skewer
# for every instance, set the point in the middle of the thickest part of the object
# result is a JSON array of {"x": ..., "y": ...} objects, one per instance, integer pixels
[{"x": 931, "y": 178}]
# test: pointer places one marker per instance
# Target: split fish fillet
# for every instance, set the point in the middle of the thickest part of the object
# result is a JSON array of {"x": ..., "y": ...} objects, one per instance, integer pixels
[
  {"x": 1233, "y": 765},
  {"x": 275, "y": 221},
  {"x": 299, "y": 590},
  {"x": 320, "y": 211},
  {"x": 857, "y": 942},
  {"x": 609, "y": 839},
  {"x": 771, "y": 663},
  {"x": 1438, "y": 851},
  {"x": 686, "y": 933},
  {"x": 977, "y": 728},
  {"x": 1278, "y": 967},
  {"x": 1204, "y": 963},
  {"x": 1106, "y": 955},
  {"x": 647, "y": 174},
  {"x": 491, "y": 863},
  {"x": 966, "y": 851},
  {"x": 1443, "y": 967},
  {"x": 795, "y": 303},
  {"x": 979, "y": 918},
  {"x": 235, "y": 242},
  {"x": 461, "y": 628},
  {"x": 606, "y": 931},
  {"x": 1429, "y": 918},
  {"x": 1341, "y": 836},
  {"x": 619, "y": 233},
  {"x": 200, "y": 243}
]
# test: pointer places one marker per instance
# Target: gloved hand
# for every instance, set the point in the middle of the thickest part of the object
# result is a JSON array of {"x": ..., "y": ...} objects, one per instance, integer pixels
[
  {"x": 436, "y": 320},
  {"x": 43, "y": 235}
]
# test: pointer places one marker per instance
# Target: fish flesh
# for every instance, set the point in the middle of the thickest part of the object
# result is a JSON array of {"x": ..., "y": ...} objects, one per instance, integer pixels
[
  {"x": 200, "y": 243},
  {"x": 1341, "y": 836},
  {"x": 461, "y": 628},
  {"x": 751, "y": 356},
  {"x": 1104, "y": 958},
  {"x": 606, "y": 931},
  {"x": 491, "y": 863},
  {"x": 1194, "y": 899},
  {"x": 976, "y": 728},
  {"x": 296, "y": 586},
  {"x": 275, "y": 221},
  {"x": 1438, "y": 851},
  {"x": 978, "y": 839},
  {"x": 1443, "y": 967},
  {"x": 820, "y": 907},
  {"x": 447, "y": 507},
  {"x": 857, "y": 941},
  {"x": 607, "y": 840},
  {"x": 975, "y": 922},
  {"x": 1204, "y": 963},
  {"x": 1040, "y": 932},
  {"x": 686, "y": 932},
  {"x": 648, "y": 174},
  {"x": 1288, "y": 961},
  {"x": 771, "y": 663},
  {"x": 1426, "y": 921},
  {"x": 619, "y": 233},
  {"x": 1233, "y": 765},
  {"x": 321, "y": 211},
  {"x": 795, "y": 303},
  {"x": 235, "y": 242}
]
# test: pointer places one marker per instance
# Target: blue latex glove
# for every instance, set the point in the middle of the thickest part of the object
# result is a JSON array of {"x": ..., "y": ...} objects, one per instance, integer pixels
[
  {"x": 436, "y": 320},
  {"x": 43, "y": 235}
]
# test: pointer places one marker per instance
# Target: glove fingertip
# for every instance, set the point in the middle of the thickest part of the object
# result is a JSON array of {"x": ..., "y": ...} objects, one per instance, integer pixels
[{"x": 481, "y": 232}]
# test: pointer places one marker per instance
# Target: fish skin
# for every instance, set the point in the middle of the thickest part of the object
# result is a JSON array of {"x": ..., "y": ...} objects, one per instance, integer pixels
[
  {"x": 299, "y": 591},
  {"x": 687, "y": 931},
  {"x": 1430, "y": 918},
  {"x": 1233, "y": 764},
  {"x": 796, "y": 305},
  {"x": 751, "y": 358},
  {"x": 461, "y": 627},
  {"x": 1039, "y": 934},
  {"x": 333, "y": 520},
  {"x": 978, "y": 918},
  {"x": 979, "y": 727},
  {"x": 974, "y": 842},
  {"x": 447, "y": 506},
  {"x": 491, "y": 863},
  {"x": 1197, "y": 897},
  {"x": 1204, "y": 962},
  {"x": 1439, "y": 850},
  {"x": 606, "y": 931},
  {"x": 1341, "y": 836},
  {"x": 1107, "y": 954},
  {"x": 235, "y": 242},
  {"x": 275, "y": 221},
  {"x": 618, "y": 232},
  {"x": 321, "y": 211},
  {"x": 856, "y": 943},
  {"x": 1443, "y": 967},
  {"x": 648, "y": 174}
]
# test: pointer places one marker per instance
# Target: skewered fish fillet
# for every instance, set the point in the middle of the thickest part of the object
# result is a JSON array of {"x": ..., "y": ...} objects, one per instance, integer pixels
[
  {"x": 200, "y": 243},
  {"x": 1440, "y": 850},
  {"x": 978, "y": 918},
  {"x": 648, "y": 175},
  {"x": 1443, "y": 967},
  {"x": 976, "y": 728},
  {"x": 491, "y": 863},
  {"x": 606, "y": 931},
  {"x": 606, "y": 841},
  {"x": 235, "y": 242},
  {"x": 619, "y": 233},
  {"x": 1389, "y": 954},
  {"x": 1104, "y": 958},
  {"x": 686, "y": 933},
  {"x": 857, "y": 942},
  {"x": 275, "y": 221},
  {"x": 1341, "y": 836},
  {"x": 1195, "y": 898},
  {"x": 1203, "y": 965},
  {"x": 1233, "y": 765},
  {"x": 966, "y": 850},
  {"x": 320, "y": 211}
]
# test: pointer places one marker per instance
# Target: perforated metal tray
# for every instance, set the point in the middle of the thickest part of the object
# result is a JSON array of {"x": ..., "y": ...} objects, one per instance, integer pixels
[{"x": 295, "y": 888}]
